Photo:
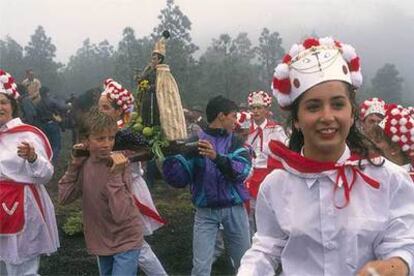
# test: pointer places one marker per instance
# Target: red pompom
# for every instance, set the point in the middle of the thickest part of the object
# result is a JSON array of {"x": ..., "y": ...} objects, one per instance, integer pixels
[
  {"x": 338, "y": 44},
  {"x": 282, "y": 85},
  {"x": 310, "y": 42},
  {"x": 409, "y": 125},
  {"x": 354, "y": 64},
  {"x": 287, "y": 59}
]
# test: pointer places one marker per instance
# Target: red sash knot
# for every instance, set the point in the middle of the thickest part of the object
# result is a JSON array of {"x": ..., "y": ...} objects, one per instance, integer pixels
[
  {"x": 302, "y": 166},
  {"x": 341, "y": 180}
]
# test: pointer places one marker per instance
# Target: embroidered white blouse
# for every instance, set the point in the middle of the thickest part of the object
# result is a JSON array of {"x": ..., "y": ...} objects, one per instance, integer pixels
[
  {"x": 39, "y": 236},
  {"x": 271, "y": 131},
  {"x": 299, "y": 227}
]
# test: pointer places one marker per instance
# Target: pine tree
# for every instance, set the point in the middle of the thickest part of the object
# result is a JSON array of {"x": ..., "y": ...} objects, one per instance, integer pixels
[
  {"x": 387, "y": 84},
  {"x": 270, "y": 52},
  {"x": 91, "y": 65},
  {"x": 131, "y": 56},
  {"x": 11, "y": 57},
  {"x": 39, "y": 56},
  {"x": 226, "y": 68}
]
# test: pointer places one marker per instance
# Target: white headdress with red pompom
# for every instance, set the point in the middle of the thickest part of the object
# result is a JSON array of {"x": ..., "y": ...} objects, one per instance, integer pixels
[
  {"x": 119, "y": 95},
  {"x": 312, "y": 62},
  {"x": 372, "y": 106},
  {"x": 243, "y": 120},
  {"x": 398, "y": 125},
  {"x": 259, "y": 98},
  {"x": 7, "y": 85}
]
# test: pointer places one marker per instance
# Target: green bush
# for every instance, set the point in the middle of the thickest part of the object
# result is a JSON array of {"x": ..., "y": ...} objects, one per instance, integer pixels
[{"x": 73, "y": 224}]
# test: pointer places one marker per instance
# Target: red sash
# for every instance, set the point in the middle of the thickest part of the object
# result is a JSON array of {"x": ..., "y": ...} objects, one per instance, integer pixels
[
  {"x": 254, "y": 181},
  {"x": 412, "y": 176},
  {"x": 12, "y": 197},
  {"x": 146, "y": 211}
]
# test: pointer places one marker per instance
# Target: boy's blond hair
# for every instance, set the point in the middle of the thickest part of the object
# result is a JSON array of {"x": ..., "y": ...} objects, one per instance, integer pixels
[{"x": 96, "y": 122}]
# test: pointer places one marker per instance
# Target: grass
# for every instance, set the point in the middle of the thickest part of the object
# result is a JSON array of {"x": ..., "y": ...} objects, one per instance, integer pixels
[{"x": 172, "y": 243}]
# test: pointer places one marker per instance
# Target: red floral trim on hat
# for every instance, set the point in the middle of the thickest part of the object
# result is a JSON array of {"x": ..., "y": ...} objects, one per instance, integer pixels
[
  {"x": 266, "y": 98},
  {"x": 287, "y": 59},
  {"x": 283, "y": 86},
  {"x": 8, "y": 85},
  {"x": 243, "y": 120},
  {"x": 354, "y": 64},
  {"x": 281, "y": 83},
  {"x": 310, "y": 42},
  {"x": 399, "y": 127},
  {"x": 118, "y": 95}
]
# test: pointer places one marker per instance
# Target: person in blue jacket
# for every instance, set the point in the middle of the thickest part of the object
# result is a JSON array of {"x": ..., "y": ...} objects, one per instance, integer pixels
[{"x": 215, "y": 174}]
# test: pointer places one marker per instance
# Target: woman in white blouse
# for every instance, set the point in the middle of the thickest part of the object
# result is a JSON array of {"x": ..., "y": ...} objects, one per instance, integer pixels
[
  {"x": 334, "y": 208},
  {"x": 27, "y": 218}
]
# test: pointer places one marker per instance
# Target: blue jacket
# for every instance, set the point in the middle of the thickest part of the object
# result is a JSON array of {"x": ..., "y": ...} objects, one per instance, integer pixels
[{"x": 217, "y": 183}]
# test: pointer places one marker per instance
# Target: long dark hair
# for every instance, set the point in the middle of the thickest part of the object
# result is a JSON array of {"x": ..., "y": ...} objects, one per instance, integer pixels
[
  {"x": 356, "y": 141},
  {"x": 14, "y": 105}
]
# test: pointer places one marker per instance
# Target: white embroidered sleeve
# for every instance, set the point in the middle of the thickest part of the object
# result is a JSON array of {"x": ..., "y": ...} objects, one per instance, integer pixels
[{"x": 41, "y": 170}]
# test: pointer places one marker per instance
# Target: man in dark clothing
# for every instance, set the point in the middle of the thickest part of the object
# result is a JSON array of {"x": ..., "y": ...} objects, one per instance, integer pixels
[
  {"x": 48, "y": 111},
  {"x": 28, "y": 109}
]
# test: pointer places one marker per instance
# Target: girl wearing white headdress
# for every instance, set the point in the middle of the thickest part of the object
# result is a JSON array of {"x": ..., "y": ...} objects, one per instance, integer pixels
[
  {"x": 27, "y": 217},
  {"x": 334, "y": 208}
]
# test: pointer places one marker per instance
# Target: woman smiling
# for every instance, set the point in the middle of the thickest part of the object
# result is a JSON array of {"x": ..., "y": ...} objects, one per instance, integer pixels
[
  {"x": 334, "y": 208},
  {"x": 27, "y": 218}
]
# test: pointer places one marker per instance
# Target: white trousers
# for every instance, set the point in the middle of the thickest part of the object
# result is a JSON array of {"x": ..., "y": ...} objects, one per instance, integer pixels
[
  {"x": 149, "y": 263},
  {"x": 28, "y": 268}
]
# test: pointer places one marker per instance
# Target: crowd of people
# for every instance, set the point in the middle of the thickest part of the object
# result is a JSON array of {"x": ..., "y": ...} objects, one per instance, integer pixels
[
  {"x": 328, "y": 192},
  {"x": 40, "y": 108}
]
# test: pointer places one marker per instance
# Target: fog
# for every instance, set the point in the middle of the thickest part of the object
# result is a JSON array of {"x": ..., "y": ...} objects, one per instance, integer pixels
[{"x": 381, "y": 31}]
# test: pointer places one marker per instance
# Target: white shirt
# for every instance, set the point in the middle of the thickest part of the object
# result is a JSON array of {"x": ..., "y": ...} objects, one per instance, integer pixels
[
  {"x": 40, "y": 235},
  {"x": 269, "y": 133},
  {"x": 299, "y": 226}
]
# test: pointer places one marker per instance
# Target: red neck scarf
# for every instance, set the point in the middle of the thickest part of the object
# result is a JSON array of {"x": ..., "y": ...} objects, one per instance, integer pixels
[
  {"x": 292, "y": 160},
  {"x": 259, "y": 129}
]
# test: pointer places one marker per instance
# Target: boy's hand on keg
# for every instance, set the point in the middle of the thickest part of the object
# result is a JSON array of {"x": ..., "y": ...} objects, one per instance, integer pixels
[{"x": 119, "y": 162}]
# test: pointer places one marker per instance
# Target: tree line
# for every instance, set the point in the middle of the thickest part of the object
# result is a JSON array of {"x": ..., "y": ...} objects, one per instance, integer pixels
[{"x": 231, "y": 66}]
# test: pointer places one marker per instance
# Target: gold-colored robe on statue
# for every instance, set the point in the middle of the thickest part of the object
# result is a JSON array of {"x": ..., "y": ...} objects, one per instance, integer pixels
[{"x": 169, "y": 105}]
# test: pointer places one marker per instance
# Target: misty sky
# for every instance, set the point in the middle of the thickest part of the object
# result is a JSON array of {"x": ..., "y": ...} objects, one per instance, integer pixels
[{"x": 381, "y": 31}]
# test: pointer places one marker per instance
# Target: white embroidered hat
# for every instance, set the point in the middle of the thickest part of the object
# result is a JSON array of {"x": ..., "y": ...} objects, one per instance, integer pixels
[
  {"x": 313, "y": 62},
  {"x": 7, "y": 85},
  {"x": 259, "y": 98},
  {"x": 372, "y": 106},
  {"x": 119, "y": 95},
  {"x": 243, "y": 120},
  {"x": 398, "y": 125}
]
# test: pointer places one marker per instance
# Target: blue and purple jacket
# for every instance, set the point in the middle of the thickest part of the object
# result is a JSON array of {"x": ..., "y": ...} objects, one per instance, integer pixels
[{"x": 217, "y": 183}]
